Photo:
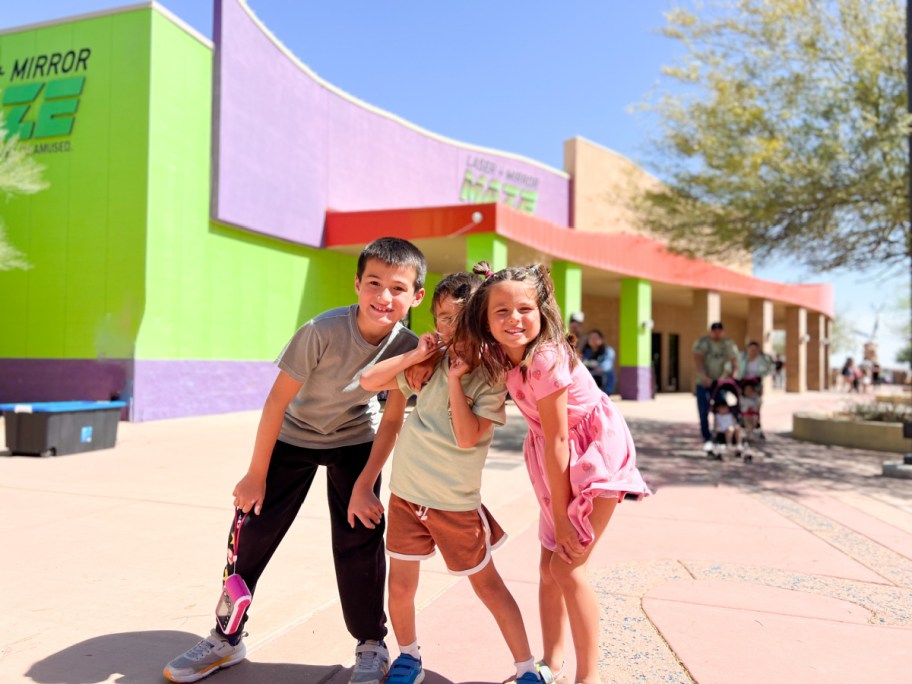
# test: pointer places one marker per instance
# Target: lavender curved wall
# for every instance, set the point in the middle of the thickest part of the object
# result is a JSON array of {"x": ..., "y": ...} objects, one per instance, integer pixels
[{"x": 287, "y": 148}]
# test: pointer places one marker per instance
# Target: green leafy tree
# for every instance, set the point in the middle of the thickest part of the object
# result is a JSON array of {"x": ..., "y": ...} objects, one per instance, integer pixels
[
  {"x": 20, "y": 174},
  {"x": 904, "y": 355},
  {"x": 783, "y": 131}
]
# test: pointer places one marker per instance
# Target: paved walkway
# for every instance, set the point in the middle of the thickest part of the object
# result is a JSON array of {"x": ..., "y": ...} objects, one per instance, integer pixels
[{"x": 797, "y": 566}]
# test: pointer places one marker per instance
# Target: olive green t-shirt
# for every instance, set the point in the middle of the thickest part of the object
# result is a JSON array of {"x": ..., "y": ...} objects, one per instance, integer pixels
[
  {"x": 716, "y": 355},
  {"x": 429, "y": 468}
]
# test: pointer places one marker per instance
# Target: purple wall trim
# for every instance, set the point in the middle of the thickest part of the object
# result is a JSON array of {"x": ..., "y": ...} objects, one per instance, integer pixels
[
  {"x": 286, "y": 148},
  {"x": 174, "y": 389},
  {"x": 636, "y": 383},
  {"x": 27, "y": 380},
  {"x": 154, "y": 390}
]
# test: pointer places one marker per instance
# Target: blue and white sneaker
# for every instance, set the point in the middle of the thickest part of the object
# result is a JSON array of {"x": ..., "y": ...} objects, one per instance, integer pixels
[
  {"x": 405, "y": 670},
  {"x": 530, "y": 678}
]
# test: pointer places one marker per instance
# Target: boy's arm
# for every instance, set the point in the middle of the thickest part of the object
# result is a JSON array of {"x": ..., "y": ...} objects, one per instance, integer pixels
[
  {"x": 251, "y": 490},
  {"x": 467, "y": 426},
  {"x": 364, "y": 504},
  {"x": 382, "y": 376}
]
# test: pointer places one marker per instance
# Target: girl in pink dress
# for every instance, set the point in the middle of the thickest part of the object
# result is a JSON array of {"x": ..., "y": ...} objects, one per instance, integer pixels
[{"x": 579, "y": 452}]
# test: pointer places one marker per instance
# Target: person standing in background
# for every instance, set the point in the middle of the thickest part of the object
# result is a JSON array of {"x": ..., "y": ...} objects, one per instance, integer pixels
[
  {"x": 598, "y": 357},
  {"x": 714, "y": 357},
  {"x": 576, "y": 328}
]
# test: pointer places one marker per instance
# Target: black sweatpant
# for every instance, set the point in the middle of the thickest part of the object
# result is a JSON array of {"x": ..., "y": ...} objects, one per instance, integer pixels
[{"x": 358, "y": 552}]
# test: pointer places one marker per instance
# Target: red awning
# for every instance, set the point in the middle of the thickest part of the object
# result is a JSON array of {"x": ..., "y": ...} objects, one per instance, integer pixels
[{"x": 620, "y": 253}]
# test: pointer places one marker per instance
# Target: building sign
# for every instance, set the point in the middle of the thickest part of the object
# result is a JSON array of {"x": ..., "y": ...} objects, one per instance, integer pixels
[
  {"x": 486, "y": 180},
  {"x": 42, "y": 97}
]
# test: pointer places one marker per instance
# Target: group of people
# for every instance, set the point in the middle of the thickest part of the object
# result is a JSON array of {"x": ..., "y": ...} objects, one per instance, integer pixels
[
  {"x": 495, "y": 332},
  {"x": 729, "y": 385},
  {"x": 860, "y": 377},
  {"x": 596, "y": 354}
]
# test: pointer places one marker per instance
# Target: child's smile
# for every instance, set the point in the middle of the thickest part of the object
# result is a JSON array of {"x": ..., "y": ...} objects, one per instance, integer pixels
[{"x": 513, "y": 317}]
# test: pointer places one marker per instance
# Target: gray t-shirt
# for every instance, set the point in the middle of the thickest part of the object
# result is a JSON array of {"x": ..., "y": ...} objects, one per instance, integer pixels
[{"x": 328, "y": 354}]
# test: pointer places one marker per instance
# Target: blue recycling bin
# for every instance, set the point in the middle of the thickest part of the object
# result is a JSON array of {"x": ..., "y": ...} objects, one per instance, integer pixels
[{"x": 61, "y": 427}]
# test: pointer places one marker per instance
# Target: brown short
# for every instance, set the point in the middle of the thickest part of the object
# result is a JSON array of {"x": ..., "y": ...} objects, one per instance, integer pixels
[{"x": 465, "y": 538}]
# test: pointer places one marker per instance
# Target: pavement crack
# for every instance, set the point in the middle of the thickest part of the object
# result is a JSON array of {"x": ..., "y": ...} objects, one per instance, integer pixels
[{"x": 893, "y": 567}]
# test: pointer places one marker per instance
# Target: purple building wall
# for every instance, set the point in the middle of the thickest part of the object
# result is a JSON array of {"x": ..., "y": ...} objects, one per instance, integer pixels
[
  {"x": 173, "y": 389},
  {"x": 288, "y": 147}
]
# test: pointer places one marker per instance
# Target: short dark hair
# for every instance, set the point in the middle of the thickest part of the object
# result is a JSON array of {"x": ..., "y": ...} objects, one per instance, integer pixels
[
  {"x": 459, "y": 286},
  {"x": 717, "y": 326},
  {"x": 394, "y": 251},
  {"x": 753, "y": 343}
]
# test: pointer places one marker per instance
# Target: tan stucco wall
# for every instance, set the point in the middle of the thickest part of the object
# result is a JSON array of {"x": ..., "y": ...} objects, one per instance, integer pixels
[
  {"x": 602, "y": 313},
  {"x": 604, "y": 184}
]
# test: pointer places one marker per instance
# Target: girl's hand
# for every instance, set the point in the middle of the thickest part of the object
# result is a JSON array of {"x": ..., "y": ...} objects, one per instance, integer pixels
[
  {"x": 249, "y": 493},
  {"x": 569, "y": 547},
  {"x": 418, "y": 374},
  {"x": 458, "y": 368},
  {"x": 428, "y": 345}
]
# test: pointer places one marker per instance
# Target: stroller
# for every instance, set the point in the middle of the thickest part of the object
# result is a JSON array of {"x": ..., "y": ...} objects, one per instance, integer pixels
[
  {"x": 728, "y": 420},
  {"x": 751, "y": 403}
]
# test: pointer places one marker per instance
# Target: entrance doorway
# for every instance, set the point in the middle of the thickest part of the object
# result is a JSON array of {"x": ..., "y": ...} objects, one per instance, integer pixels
[
  {"x": 674, "y": 350},
  {"x": 656, "y": 363}
]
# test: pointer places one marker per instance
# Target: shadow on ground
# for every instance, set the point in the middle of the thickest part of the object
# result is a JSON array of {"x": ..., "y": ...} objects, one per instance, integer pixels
[
  {"x": 138, "y": 658},
  {"x": 670, "y": 454}
]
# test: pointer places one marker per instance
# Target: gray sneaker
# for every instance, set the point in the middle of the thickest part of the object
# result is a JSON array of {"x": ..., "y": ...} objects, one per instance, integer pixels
[
  {"x": 208, "y": 656},
  {"x": 371, "y": 663}
]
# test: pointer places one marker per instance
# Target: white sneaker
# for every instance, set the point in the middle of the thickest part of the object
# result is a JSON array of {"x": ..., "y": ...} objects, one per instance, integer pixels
[
  {"x": 708, "y": 446},
  {"x": 371, "y": 663},
  {"x": 208, "y": 656}
]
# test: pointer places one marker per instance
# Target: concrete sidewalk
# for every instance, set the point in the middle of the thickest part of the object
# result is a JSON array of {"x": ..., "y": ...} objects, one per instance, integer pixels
[{"x": 797, "y": 566}]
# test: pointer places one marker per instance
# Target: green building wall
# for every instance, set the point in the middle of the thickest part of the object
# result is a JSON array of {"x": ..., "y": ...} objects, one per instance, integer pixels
[
  {"x": 84, "y": 235},
  {"x": 134, "y": 291}
]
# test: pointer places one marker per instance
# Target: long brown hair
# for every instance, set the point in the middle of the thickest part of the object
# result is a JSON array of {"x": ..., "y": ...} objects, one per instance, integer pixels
[{"x": 474, "y": 333}]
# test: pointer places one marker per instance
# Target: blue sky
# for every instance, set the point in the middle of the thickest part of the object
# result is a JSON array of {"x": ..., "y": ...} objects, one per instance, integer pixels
[{"x": 517, "y": 76}]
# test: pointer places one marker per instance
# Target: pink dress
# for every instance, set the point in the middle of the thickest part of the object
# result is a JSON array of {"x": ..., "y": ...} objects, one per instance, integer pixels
[{"x": 602, "y": 454}]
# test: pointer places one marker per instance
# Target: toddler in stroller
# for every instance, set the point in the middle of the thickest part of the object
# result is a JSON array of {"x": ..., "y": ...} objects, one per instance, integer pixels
[
  {"x": 727, "y": 417},
  {"x": 751, "y": 401}
]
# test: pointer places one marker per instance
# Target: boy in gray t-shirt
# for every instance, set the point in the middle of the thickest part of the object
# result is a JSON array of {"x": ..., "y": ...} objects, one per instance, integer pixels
[{"x": 318, "y": 414}]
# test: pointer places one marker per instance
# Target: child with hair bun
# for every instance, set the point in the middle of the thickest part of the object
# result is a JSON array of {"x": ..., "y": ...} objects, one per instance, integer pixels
[{"x": 579, "y": 451}]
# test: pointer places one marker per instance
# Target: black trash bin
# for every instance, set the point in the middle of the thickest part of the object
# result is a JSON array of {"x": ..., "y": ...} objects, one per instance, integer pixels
[{"x": 61, "y": 427}]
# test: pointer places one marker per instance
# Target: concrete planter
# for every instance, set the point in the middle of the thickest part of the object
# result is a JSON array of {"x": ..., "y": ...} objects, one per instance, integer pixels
[{"x": 857, "y": 434}]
